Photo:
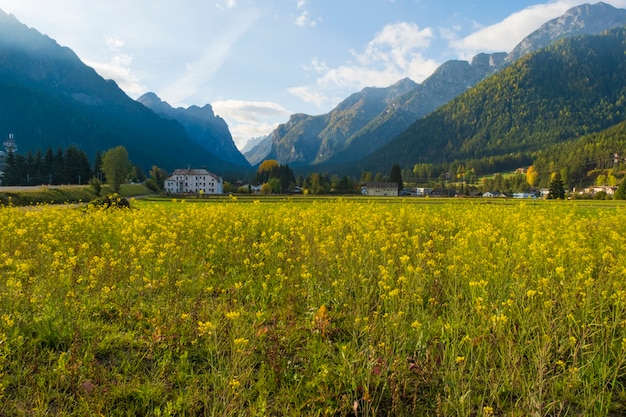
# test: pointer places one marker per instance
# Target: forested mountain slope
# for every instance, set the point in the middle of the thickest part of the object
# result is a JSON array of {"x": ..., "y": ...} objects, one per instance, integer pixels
[
  {"x": 572, "y": 88},
  {"x": 50, "y": 98}
]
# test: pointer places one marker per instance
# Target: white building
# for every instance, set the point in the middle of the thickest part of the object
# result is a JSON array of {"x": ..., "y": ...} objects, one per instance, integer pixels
[
  {"x": 194, "y": 181},
  {"x": 384, "y": 189}
]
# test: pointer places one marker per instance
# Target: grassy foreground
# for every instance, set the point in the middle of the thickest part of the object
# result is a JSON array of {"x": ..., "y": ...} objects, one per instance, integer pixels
[{"x": 333, "y": 307}]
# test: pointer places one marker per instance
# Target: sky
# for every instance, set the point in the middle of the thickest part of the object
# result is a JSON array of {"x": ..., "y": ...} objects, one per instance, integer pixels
[{"x": 256, "y": 62}]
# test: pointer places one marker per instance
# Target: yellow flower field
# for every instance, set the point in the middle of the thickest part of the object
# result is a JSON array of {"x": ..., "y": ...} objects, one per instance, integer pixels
[{"x": 337, "y": 307}]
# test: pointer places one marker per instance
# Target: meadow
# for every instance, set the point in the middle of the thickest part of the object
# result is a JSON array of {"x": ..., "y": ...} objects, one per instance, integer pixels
[{"x": 297, "y": 307}]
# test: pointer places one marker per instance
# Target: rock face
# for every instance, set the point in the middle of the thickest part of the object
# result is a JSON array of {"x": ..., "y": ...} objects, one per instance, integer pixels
[
  {"x": 202, "y": 126},
  {"x": 581, "y": 20}
]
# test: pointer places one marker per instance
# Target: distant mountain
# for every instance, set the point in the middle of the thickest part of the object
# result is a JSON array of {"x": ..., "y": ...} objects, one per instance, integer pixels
[
  {"x": 554, "y": 96},
  {"x": 251, "y": 143},
  {"x": 585, "y": 19},
  {"x": 300, "y": 141},
  {"x": 202, "y": 126},
  {"x": 448, "y": 81},
  {"x": 49, "y": 98},
  {"x": 256, "y": 150},
  {"x": 310, "y": 140}
]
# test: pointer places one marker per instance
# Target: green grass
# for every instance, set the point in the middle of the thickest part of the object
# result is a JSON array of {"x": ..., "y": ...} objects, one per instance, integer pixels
[
  {"x": 297, "y": 306},
  {"x": 65, "y": 194}
]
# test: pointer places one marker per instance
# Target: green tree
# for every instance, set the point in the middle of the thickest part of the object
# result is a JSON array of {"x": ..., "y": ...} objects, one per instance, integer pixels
[
  {"x": 58, "y": 168},
  {"x": 12, "y": 173},
  {"x": 275, "y": 185},
  {"x": 97, "y": 167},
  {"x": 159, "y": 175},
  {"x": 116, "y": 167},
  {"x": 620, "y": 193},
  {"x": 316, "y": 183},
  {"x": 96, "y": 185},
  {"x": 48, "y": 165},
  {"x": 76, "y": 166},
  {"x": 367, "y": 177},
  {"x": 557, "y": 191},
  {"x": 396, "y": 176}
]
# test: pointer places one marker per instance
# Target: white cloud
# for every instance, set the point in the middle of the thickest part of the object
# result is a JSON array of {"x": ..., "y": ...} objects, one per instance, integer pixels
[
  {"x": 394, "y": 53},
  {"x": 248, "y": 119},
  {"x": 505, "y": 35},
  {"x": 316, "y": 66},
  {"x": 304, "y": 18},
  {"x": 227, "y": 4},
  {"x": 119, "y": 67},
  {"x": 313, "y": 94},
  {"x": 115, "y": 42}
]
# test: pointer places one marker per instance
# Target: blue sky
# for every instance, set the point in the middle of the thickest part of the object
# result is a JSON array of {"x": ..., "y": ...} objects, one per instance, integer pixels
[{"x": 258, "y": 61}]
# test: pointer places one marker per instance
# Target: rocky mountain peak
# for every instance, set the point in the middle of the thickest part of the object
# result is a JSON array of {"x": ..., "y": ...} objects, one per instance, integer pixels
[
  {"x": 202, "y": 126},
  {"x": 580, "y": 20}
]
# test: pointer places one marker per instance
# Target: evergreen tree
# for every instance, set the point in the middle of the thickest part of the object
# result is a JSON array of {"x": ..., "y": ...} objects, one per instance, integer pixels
[
  {"x": 37, "y": 169},
  {"x": 58, "y": 168},
  {"x": 76, "y": 166},
  {"x": 557, "y": 191},
  {"x": 11, "y": 173},
  {"x": 396, "y": 176},
  {"x": 97, "y": 167},
  {"x": 29, "y": 168},
  {"x": 48, "y": 166}
]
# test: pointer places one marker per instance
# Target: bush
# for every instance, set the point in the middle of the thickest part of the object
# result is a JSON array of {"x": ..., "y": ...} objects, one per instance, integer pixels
[{"x": 113, "y": 201}]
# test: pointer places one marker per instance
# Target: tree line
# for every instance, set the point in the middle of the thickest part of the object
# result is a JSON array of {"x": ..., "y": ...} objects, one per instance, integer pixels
[{"x": 69, "y": 166}]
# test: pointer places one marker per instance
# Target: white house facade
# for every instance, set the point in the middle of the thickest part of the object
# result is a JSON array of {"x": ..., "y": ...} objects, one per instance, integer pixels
[{"x": 194, "y": 181}]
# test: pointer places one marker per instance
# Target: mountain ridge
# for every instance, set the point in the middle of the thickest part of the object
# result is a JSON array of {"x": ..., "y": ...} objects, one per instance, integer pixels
[
  {"x": 202, "y": 125},
  {"x": 447, "y": 82},
  {"x": 50, "y": 98},
  {"x": 552, "y": 96}
]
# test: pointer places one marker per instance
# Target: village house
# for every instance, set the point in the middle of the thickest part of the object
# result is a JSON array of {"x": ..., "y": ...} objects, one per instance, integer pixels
[
  {"x": 194, "y": 181},
  {"x": 524, "y": 195},
  {"x": 381, "y": 189},
  {"x": 421, "y": 191},
  {"x": 493, "y": 194},
  {"x": 609, "y": 190}
]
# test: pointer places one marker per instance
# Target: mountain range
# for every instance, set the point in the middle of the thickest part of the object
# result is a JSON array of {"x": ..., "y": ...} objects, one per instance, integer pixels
[
  {"x": 486, "y": 109},
  {"x": 50, "y": 99},
  {"x": 202, "y": 126},
  {"x": 570, "y": 89},
  {"x": 330, "y": 139}
]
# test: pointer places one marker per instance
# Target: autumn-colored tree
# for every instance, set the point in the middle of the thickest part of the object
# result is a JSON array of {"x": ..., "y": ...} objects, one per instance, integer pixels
[
  {"x": 267, "y": 166},
  {"x": 531, "y": 176}
]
